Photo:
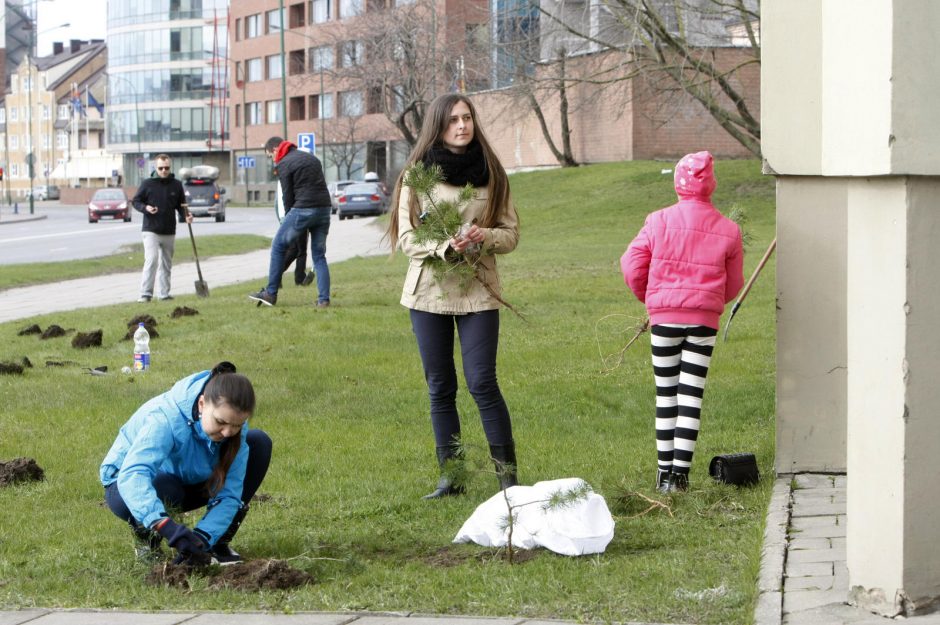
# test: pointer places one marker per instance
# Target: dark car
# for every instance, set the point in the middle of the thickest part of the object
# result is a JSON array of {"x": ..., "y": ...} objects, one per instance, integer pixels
[
  {"x": 362, "y": 198},
  {"x": 45, "y": 192},
  {"x": 204, "y": 198},
  {"x": 203, "y": 193},
  {"x": 336, "y": 191},
  {"x": 109, "y": 203}
]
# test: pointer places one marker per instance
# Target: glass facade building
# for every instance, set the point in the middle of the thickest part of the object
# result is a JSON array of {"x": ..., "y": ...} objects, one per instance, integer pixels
[{"x": 168, "y": 83}]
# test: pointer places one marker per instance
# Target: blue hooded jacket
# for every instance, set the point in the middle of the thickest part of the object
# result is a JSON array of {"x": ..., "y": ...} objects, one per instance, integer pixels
[{"x": 164, "y": 437}]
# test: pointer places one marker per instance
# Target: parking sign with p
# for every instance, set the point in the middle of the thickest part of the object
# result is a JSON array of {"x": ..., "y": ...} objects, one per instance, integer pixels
[{"x": 307, "y": 142}]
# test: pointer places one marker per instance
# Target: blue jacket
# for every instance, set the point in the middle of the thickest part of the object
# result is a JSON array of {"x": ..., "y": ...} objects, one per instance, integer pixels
[{"x": 164, "y": 437}]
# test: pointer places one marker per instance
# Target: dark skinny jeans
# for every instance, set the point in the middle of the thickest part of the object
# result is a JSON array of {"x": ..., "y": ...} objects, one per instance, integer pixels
[{"x": 479, "y": 339}]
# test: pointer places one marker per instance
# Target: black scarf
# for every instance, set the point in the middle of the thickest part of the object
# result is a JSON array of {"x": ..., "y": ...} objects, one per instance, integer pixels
[{"x": 459, "y": 169}]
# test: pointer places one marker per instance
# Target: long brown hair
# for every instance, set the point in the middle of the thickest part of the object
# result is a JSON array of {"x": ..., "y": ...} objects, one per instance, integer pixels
[
  {"x": 234, "y": 390},
  {"x": 435, "y": 123}
]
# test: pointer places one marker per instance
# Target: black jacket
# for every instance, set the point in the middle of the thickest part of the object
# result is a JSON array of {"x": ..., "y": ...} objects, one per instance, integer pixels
[
  {"x": 168, "y": 196},
  {"x": 301, "y": 177}
]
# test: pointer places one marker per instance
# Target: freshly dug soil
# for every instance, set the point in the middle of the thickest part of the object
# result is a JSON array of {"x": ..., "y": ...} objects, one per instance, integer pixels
[
  {"x": 145, "y": 319},
  {"x": 183, "y": 311},
  {"x": 83, "y": 340},
  {"x": 27, "y": 363},
  {"x": 33, "y": 329},
  {"x": 11, "y": 368},
  {"x": 251, "y": 576},
  {"x": 152, "y": 331},
  {"x": 20, "y": 470},
  {"x": 52, "y": 332}
]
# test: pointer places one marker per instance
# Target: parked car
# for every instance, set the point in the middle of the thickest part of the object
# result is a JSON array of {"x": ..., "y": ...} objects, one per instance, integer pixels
[
  {"x": 203, "y": 194},
  {"x": 45, "y": 192},
  {"x": 109, "y": 203},
  {"x": 336, "y": 190},
  {"x": 362, "y": 198}
]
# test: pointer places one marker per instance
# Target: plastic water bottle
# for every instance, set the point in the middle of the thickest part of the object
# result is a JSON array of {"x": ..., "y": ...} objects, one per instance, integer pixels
[{"x": 141, "y": 348}]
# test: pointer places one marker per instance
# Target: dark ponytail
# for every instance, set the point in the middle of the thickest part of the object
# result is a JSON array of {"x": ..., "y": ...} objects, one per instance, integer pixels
[{"x": 235, "y": 390}]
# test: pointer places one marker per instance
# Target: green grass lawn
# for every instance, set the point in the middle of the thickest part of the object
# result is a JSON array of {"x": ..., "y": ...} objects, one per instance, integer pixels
[
  {"x": 130, "y": 258},
  {"x": 342, "y": 394}
]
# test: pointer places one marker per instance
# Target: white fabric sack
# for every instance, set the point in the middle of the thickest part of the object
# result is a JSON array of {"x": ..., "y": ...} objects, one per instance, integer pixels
[{"x": 581, "y": 527}]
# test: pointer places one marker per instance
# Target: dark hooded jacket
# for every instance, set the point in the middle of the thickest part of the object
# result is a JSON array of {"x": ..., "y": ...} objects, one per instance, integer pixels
[
  {"x": 301, "y": 176},
  {"x": 168, "y": 195}
]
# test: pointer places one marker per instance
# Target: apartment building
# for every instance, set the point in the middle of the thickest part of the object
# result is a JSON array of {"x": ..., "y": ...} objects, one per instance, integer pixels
[{"x": 324, "y": 68}]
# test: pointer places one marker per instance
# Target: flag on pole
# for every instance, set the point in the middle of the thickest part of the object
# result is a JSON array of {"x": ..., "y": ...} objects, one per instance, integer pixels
[{"x": 91, "y": 101}]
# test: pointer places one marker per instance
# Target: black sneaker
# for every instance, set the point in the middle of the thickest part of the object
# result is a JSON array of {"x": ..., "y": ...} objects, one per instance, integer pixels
[
  {"x": 263, "y": 297},
  {"x": 678, "y": 483},
  {"x": 224, "y": 555}
]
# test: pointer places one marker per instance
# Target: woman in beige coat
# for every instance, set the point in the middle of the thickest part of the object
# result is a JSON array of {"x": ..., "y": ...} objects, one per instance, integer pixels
[{"x": 452, "y": 138}]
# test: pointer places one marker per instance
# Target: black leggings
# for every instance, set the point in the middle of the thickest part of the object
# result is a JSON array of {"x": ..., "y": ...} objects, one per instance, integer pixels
[
  {"x": 479, "y": 339},
  {"x": 175, "y": 494}
]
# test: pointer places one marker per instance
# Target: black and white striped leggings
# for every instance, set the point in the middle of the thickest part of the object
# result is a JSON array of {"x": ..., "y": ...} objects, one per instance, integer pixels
[{"x": 681, "y": 355}]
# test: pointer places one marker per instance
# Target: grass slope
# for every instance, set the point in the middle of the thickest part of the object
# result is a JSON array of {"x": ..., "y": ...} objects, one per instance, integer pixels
[{"x": 342, "y": 394}]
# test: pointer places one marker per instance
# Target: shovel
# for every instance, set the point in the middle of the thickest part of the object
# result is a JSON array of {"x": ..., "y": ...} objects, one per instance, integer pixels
[
  {"x": 750, "y": 283},
  {"x": 202, "y": 289}
]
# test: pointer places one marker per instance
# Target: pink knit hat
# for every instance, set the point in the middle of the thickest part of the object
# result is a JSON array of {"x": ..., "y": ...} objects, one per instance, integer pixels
[{"x": 695, "y": 176}]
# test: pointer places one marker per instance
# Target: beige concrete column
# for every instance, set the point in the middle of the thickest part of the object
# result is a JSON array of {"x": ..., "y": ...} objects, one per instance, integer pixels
[{"x": 849, "y": 104}]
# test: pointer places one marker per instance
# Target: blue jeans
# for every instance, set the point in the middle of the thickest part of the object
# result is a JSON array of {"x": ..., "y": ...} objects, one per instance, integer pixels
[
  {"x": 316, "y": 221},
  {"x": 185, "y": 497},
  {"x": 479, "y": 339}
]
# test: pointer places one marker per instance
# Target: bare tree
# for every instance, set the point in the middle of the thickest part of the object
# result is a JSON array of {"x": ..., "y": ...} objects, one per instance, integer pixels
[
  {"x": 345, "y": 151},
  {"x": 676, "y": 45},
  {"x": 402, "y": 57}
]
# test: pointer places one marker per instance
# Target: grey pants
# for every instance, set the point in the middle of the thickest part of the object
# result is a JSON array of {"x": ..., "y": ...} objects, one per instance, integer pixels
[{"x": 158, "y": 262}]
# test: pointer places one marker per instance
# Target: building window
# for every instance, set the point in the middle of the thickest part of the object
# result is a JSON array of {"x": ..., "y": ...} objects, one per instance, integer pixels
[
  {"x": 324, "y": 106},
  {"x": 350, "y": 53},
  {"x": 274, "y": 111},
  {"x": 14, "y": 142},
  {"x": 14, "y": 114},
  {"x": 275, "y": 23},
  {"x": 296, "y": 15},
  {"x": 14, "y": 170},
  {"x": 321, "y": 11},
  {"x": 27, "y": 83},
  {"x": 253, "y": 112},
  {"x": 238, "y": 29},
  {"x": 63, "y": 111},
  {"x": 350, "y": 104},
  {"x": 321, "y": 58},
  {"x": 297, "y": 109},
  {"x": 62, "y": 140},
  {"x": 349, "y": 8},
  {"x": 253, "y": 26},
  {"x": 273, "y": 64},
  {"x": 296, "y": 64},
  {"x": 238, "y": 115},
  {"x": 45, "y": 111},
  {"x": 254, "y": 70},
  {"x": 3, "y": 115}
]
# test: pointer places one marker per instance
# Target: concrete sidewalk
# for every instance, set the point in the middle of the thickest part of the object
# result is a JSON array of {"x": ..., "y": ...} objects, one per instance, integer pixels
[{"x": 348, "y": 239}]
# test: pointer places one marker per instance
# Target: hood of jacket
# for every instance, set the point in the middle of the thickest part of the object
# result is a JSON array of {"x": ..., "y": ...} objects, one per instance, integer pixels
[
  {"x": 695, "y": 176},
  {"x": 283, "y": 149}
]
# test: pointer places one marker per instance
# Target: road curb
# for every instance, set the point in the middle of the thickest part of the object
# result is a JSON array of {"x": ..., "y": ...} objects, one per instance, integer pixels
[
  {"x": 18, "y": 219},
  {"x": 769, "y": 609}
]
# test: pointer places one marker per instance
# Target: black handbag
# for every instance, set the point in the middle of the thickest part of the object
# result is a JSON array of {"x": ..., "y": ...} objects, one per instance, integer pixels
[{"x": 738, "y": 469}]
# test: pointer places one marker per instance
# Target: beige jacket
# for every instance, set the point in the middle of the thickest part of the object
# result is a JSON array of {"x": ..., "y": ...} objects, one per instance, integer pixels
[{"x": 422, "y": 291}]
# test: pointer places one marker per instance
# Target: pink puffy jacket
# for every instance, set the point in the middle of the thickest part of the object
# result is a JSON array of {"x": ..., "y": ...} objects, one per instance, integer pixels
[{"x": 687, "y": 261}]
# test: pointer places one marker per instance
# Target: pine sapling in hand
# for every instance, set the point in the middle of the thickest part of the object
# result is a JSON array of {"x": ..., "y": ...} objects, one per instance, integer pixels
[{"x": 440, "y": 222}]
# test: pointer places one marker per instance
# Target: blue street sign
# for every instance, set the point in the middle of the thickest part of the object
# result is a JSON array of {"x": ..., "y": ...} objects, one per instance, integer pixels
[
  {"x": 307, "y": 141},
  {"x": 246, "y": 162}
]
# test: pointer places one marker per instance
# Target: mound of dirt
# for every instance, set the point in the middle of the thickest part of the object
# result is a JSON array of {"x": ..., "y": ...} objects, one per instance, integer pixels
[
  {"x": 20, "y": 470},
  {"x": 183, "y": 311},
  {"x": 52, "y": 332},
  {"x": 83, "y": 340},
  {"x": 147, "y": 320},
  {"x": 33, "y": 329},
  {"x": 27, "y": 363},
  {"x": 11, "y": 368},
  {"x": 251, "y": 576}
]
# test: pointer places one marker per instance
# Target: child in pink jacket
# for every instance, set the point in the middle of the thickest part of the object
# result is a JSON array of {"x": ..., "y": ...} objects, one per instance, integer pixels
[{"x": 685, "y": 265}]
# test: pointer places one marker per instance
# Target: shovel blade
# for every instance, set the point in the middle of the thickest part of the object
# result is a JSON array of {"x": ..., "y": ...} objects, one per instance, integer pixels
[{"x": 202, "y": 289}]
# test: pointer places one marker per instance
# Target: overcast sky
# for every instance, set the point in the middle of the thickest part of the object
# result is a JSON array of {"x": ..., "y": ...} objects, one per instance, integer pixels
[{"x": 87, "y": 19}]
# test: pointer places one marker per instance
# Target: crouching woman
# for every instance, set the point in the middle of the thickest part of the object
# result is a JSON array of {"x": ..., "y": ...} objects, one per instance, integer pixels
[{"x": 187, "y": 448}]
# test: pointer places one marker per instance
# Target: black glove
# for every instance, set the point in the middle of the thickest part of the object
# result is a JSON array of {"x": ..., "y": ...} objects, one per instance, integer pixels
[{"x": 191, "y": 547}]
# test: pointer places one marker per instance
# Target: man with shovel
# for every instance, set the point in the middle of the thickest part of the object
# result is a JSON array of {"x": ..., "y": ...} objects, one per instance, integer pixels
[
  {"x": 160, "y": 198},
  {"x": 307, "y": 206}
]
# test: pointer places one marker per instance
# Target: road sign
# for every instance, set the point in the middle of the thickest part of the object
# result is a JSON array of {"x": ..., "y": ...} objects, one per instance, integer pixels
[
  {"x": 307, "y": 141},
  {"x": 246, "y": 162}
]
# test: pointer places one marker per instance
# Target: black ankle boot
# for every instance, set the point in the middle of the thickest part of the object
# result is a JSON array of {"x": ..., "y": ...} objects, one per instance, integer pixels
[
  {"x": 504, "y": 457},
  {"x": 678, "y": 483},
  {"x": 222, "y": 551},
  {"x": 662, "y": 480},
  {"x": 450, "y": 460}
]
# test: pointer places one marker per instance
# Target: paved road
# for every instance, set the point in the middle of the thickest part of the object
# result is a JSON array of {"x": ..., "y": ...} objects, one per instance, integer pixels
[{"x": 65, "y": 234}]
